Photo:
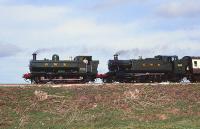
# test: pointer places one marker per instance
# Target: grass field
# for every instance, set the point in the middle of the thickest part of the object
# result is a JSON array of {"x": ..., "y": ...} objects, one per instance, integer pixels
[{"x": 107, "y": 106}]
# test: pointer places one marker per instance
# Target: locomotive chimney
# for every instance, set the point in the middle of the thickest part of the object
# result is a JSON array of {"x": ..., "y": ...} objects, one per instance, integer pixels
[
  {"x": 34, "y": 56},
  {"x": 115, "y": 57}
]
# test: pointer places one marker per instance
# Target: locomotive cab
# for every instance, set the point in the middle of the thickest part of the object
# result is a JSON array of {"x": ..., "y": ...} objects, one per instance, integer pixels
[
  {"x": 167, "y": 58},
  {"x": 84, "y": 59}
]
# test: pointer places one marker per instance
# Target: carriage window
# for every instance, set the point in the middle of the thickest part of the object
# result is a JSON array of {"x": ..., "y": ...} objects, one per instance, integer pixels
[{"x": 195, "y": 63}]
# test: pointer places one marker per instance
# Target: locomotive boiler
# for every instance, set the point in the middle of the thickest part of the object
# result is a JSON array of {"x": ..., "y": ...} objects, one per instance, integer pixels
[{"x": 81, "y": 69}]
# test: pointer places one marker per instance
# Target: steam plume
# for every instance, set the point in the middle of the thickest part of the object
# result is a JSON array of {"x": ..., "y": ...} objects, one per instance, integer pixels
[
  {"x": 135, "y": 52},
  {"x": 82, "y": 50},
  {"x": 42, "y": 50}
]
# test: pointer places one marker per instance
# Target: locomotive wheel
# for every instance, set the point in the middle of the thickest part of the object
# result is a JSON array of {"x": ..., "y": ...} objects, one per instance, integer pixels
[
  {"x": 107, "y": 80},
  {"x": 195, "y": 79},
  {"x": 36, "y": 80}
]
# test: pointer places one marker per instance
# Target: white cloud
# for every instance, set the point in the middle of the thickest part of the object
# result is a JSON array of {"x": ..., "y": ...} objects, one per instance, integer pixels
[
  {"x": 32, "y": 13},
  {"x": 4, "y": 1},
  {"x": 180, "y": 8},
  {"x": 7, "y": 50},
  {"x": 126, "y": 36},
  {"x": 89, "y": 27},
  {"x": 106, "y": 4},
  {"x": 89, "y": 33}
]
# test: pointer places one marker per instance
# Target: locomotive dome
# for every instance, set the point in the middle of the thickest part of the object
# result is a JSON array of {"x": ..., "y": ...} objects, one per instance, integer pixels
[{"x": 55, "y": 57}]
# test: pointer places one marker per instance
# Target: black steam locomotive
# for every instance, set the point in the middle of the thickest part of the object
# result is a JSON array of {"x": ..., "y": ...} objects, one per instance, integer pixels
[
  {"x": 79, "y": 70},
  {"x": 157, "y": 69}
]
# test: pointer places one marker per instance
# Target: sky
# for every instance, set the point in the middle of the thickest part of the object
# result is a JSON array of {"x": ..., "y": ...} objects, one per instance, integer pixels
[{"x": 94, "y": 27}]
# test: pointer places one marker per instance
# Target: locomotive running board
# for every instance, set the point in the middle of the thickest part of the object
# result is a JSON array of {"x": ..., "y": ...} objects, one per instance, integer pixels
[
  {"x": 72, "y": 79},
  {"x": 143, "y": 74}
]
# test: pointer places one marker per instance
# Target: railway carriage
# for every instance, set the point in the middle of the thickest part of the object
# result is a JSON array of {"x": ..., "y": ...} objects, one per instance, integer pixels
[{"x": 192, "y": 68}]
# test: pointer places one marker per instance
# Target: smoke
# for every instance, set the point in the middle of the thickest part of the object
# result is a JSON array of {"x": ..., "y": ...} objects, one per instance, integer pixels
[
  {"x": 62, "y": 49},
  {"x": 55, "y": 49},
  {"x": 7, "y": 50},
  {"x": 125, "y": 52},
  {"x": 43, "y": 50},
  {"x": 77, "y": 50},
  {"x": 135, "y": 52},
  {"x": 158, "y": 50},
  {"x": 148, "y": 52}
]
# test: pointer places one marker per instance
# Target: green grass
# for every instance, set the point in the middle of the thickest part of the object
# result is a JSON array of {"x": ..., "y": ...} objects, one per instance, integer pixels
[{"x": 118, "y": 106}]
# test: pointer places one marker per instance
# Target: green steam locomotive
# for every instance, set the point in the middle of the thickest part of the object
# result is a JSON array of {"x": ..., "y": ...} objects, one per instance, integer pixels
[
  {"x": 81, "y": 69},
  {"x": 157, "y": 69}
]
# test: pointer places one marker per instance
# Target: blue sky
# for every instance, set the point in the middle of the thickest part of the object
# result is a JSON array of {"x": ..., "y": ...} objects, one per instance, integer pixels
[{"x": 99, "y": 28}]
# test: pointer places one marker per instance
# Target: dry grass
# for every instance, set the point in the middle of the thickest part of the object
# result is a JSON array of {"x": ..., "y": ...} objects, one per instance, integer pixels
[{"x": 102, "y": 106}]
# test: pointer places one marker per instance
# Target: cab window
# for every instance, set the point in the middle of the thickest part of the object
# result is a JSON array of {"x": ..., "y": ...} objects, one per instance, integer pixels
[{"x": 195, "y": 63}]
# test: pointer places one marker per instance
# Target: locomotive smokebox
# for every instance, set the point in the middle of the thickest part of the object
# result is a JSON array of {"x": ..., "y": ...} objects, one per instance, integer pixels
[
  {"x": 116, "y": 57},
  {"x": 34, "y": 56}
]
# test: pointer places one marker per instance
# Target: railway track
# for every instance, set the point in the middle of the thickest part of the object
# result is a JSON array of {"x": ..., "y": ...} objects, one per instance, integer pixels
[
  {"x": 92, "y": 84},
  {"x": 40, "y": 85},
  {"x": 13, "y": 85}
]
